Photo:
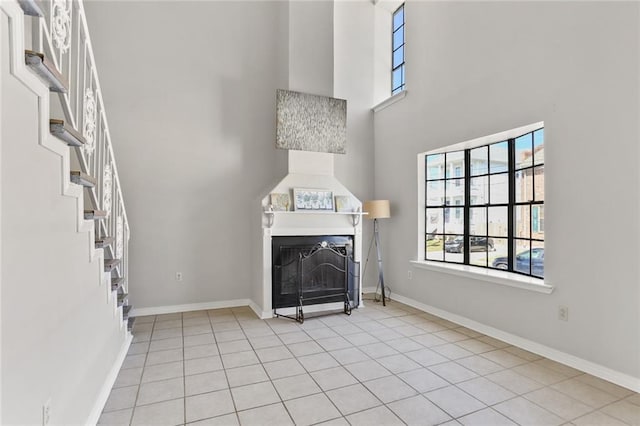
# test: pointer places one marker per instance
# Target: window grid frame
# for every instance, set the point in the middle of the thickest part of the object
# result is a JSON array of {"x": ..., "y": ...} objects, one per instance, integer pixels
[
  {"x": 401, "y": 66},
  {"x": 511, "y": 204}
]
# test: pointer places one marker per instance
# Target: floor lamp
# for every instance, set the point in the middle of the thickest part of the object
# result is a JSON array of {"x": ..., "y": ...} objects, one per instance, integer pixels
[{"x": 378, "y": 209}]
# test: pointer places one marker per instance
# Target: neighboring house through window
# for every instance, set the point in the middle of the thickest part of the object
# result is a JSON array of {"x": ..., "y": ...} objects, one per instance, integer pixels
[{"x": 495, "y": 187}]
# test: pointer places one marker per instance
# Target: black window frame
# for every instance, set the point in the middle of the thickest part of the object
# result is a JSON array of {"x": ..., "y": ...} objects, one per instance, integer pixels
[
  {"x": 400, "y": 67},
  {"x": 529, "y": 173}
]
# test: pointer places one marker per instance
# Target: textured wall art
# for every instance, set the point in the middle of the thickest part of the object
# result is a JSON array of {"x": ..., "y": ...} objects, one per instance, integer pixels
[{"x": 310, "y": 122}]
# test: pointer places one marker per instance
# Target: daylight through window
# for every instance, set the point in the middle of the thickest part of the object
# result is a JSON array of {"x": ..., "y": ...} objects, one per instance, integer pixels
[
  {"x": 484, "y": 206},
  {"x": 397, "y": 68}
]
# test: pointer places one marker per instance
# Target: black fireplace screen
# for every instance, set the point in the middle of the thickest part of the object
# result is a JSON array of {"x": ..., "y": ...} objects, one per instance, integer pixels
[{"x": 324, "y": 273}]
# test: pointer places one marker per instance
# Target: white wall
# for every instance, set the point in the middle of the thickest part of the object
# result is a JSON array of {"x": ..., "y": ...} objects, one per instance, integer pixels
[
  {"x": 477, "y": 68},
  {"x": 60, "y": 333},
  {"x": 190, "y": 90}
]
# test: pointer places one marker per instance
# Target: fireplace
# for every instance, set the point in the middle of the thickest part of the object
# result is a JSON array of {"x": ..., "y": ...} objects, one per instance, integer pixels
[{"x": 315, "y": 269}]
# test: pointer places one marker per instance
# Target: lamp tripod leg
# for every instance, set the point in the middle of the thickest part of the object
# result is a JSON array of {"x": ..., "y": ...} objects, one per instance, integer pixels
[{"x": 379, "y": 250}]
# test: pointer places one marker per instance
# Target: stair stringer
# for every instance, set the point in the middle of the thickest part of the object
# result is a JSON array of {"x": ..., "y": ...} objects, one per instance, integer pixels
[{"x": 24, "y": 76}]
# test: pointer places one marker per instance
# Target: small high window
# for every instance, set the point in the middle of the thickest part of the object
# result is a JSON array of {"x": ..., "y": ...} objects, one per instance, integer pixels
[{"x": 397, "y": 67}]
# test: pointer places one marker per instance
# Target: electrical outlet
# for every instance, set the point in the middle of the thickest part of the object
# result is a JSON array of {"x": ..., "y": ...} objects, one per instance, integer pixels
[
  {"x": 563, "y": 313},
  {"x": 178, "y": 276},
  {"x": 409, "y": 274},
  {"x": 46, "y": 412}
]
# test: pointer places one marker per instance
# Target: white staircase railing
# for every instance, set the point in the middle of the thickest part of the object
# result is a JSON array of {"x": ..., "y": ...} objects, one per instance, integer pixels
[{"x": 61, "y": 34}]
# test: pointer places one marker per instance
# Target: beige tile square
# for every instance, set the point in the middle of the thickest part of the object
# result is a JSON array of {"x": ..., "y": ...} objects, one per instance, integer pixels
[
  {"x": 398, "y": 363},
  {"x": 486, "y": 391},
  {"x": 454, "y": 401},
  {"x": 295, "y": 337},
  {"x": 346, "y": 329},
  {"x": 193, "y": 321},
  {"x": 480, "y": 365},
  {"x": 116, "y": 418},
  {"x": 514, "y": 382},
  {"x": 423, "y": 380},
  {"x": 141, "y": 336},
  {"x": 165, "y": 344},
  {"x": 205, "y": 383},
  {"x": 283, "y": 368},
  {"x": 558, "y": 403},
  {"x": 169, "y": 370},
  {"x": 378, "y": 350},
  {"x": 349, "y": 355},
  {"x": 389, "y": 389},
  {"x": 134, "y": 361},
  {"x": 321, "y": 333},
  {"x": 585, "y": 393},
  {"x": 404, "y": 344},
  {"x": 121, "y": 398},
  {"x": 418, "y": 410},
  {"x": 239, "y": 359},
  {"x": 263, "y": 331},
  {"x": 230, "y": 335},
  {"x": 333, "y": 378},
  {"x": 311, "y": 409},
  {"x": 234, "y": 346},
  {"x": 375, "y": 416},
  {"x": 450, "y": 335},
  {"x": 606, "y": 386},
  {"x": 197, "y": 329},
  {"x": 597, "y": 418},
  {"x": 296, "y": 386},
  {"x": 563, "y": 369},
  {"x": 453, "y": 372},
  {"x": 354, "y": 398},
  {"x": 334, "y": 343},
  {"x": 494, "y": 342},
  {"x": 224, "y": 420},
  {"x": 367, "y": 370},
  {"x": 160, "y": 391},
  {"x": 525, "y": 413},
  {"x": 539, "y": 373},
  {"x": 504, "y": 358},
  {"x": 317, "y": 362},
  {"x": 409, "y": 330},
  {"x": 269, "y": 415},
  {"x": 225, "y": 326},
  {"x": 202, "y": 365},
  {"x": 169, "y": 317},
  {"x": 255, "y": 395},
  {"x": 246, "y": 375},
  {"x": 163, "y": 325},
  {"x": 476, "y": 346},
  {"x": 203, "y": 351},
  {"x": 529, "y": 356},
  {"x": 208, "y": 405},
  {"x": 426, "y": 357},
  {"x": 264, "y": 342},
  {"x": 195, "y": 314},
  {"x": 452, "y": 351},
  {"x": 166, "y": 333},
  {"x": 163, "y": 357},
  {"x": 138, "y": 348},
  {"x": 305, "y": 348},
  {"x": 276, "y": 353},
  {"x": 625, "y": 411},
  {"x": 167, "y": 413},
  {"x": 486, "y": 417},
  {"x": 361, "y": 339},
  {"x": 128, "y": 377},
  {"x": 199, "y": 339}
]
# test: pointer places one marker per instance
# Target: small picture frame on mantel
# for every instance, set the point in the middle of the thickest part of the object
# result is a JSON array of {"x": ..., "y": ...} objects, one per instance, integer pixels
[
  {"x": 345, "y": 203},
  {"x": 312, "y": 199},
  {"x": 280, "y": 202}
]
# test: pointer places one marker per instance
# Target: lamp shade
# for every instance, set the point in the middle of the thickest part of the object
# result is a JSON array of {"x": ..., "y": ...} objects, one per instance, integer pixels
[{"x": 377, "y": 209}]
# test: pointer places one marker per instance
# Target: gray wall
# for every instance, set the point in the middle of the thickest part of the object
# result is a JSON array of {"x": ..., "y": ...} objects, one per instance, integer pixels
[
  {"x": 189, "y": 88},
  {"x": 474, "y": 69}
]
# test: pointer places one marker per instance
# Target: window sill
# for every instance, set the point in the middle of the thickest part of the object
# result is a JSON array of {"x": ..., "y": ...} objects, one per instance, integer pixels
[
  {"x": 491, "y": 275},
  {"x": 390, "y": 101}
]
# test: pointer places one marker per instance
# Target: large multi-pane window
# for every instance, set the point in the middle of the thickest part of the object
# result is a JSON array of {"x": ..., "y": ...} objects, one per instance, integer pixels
[
  {"x": 484, "y": 206},
  {"x": 397, "y": 54}
]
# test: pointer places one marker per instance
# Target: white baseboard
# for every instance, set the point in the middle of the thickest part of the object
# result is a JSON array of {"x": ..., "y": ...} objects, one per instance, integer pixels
[
  {"x": 158, "y": 310},
  {"x": 606, "y": 373},
  {"x": 103, "y": 395}
]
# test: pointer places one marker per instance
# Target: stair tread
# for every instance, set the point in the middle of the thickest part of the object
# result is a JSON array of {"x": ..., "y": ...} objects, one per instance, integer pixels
[
  {"x": 31, "y": 8},
  {"x": 95, "y": 214},
  {"x": 61, "y": 130},
  {"x": 116, "y": 283},
  {"x": 83, "y": 179},
  {"x": 102, "y": 242},
  {"x": 130, "y": 322},
  {"x": 45, "y": 69},
  {"x": 109, "y": 264}
]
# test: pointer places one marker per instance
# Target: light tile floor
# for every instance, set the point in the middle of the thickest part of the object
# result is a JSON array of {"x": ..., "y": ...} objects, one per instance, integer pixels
[{"x": 388, "y": 365}]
